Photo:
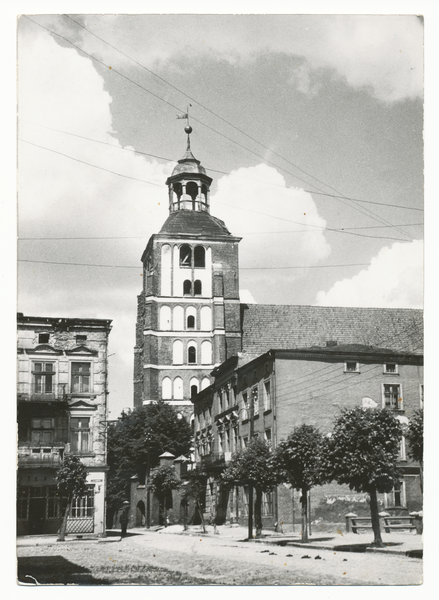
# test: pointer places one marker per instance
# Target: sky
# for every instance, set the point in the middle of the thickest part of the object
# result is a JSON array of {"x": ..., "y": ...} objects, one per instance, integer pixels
[{"x": 311, "y": 127}]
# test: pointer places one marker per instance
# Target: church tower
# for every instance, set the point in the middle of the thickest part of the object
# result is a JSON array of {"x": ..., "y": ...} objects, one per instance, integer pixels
[{"x": 188, "y": 318}]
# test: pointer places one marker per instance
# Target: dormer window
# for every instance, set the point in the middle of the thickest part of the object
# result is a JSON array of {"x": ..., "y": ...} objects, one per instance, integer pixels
[
  {"x": 391, "y": 368},
  {"x": 351, "y": 367}
]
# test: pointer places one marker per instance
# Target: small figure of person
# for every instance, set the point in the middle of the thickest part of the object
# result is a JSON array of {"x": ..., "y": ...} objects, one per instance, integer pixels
[{"x": 123, "y": 519}]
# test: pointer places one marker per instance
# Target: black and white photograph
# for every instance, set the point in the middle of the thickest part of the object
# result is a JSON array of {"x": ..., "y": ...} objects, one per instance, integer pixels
[{"x": 220, "y": 294}]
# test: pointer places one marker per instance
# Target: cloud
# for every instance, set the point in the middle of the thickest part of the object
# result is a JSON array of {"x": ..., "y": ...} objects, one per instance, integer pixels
[
  {"x": 67, "y": 197},
  {"x": 394, "y": 279},
  {"x": 381, "y": 54},
  {"x": 280, "y": 226}
]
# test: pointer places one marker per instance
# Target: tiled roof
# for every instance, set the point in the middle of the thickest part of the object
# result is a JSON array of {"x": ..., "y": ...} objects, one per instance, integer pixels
[
  {"x": 266, "y": 326},
  {"x": 194, "y": 222}
]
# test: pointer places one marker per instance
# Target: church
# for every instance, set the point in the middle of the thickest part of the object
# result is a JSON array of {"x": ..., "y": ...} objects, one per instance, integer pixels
[
  {"x": 238, "y": 370},
  {"x": 189, "y": 315}
]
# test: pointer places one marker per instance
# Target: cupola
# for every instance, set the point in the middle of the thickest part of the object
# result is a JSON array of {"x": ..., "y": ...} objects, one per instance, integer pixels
[{"x": 189, "y": 185}]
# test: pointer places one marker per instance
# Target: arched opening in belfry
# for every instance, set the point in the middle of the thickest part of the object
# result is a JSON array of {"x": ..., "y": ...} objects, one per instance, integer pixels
[
  {"x": 192, "y": 191},
  {"x": 187, "y": 287},
  {"x": 185, "y": 256},
  {"x": 199, "y": 257},
  {"x": 178, "y": 190}
]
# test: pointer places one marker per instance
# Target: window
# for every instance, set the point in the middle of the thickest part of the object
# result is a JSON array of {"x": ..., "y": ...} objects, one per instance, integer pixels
[
  {"x": 396, "y": 498},
  {"x": 392, "y": 396},
  {"x": 352, "y": 367},
  {"x": 197, "y": 287},
  {"x": 165, "y": 318},
  {"x": 199, "y": 257},
  {"x": 255, "y": 399},
  {"x": 402, "y": 455},
  {"x": 194, "y": 391},
  {"x": 194, "y": 385},
  {"x": 185, "y": 256},
  {"x": 267, "y": 504},
  {"x": 83, "y": 506},
  {"x": 80, "y": 439},
  {"x": 81, "y": 378},
  {"x": 206, "y": 318},
  {"x": 205, "y": 382},
  {"x": 267, "y": 395},
  {"x": 192, "y": 355},
  {"x": 187, "y": 287},
  {"x": 244, "y": 442},
  {"x": 43, "y": 373},
  {"x": 42, "y": 431},
  {"x": 390, "y": 368},
  {"x": 43, "y": 338},
  {"x": 80, "y": 339},
  {"x": 267, "y": 435},
  {"x": 190, "y": 322},
  {"x": 244, "y": 406}
]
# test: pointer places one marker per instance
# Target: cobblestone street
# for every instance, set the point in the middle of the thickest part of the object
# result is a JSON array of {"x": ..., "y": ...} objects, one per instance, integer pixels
[{"x": 161, "y": 558}]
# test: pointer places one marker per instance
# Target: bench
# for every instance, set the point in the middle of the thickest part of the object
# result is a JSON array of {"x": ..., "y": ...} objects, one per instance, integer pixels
[
  {"x": 394, "y": 523},
  {"x": 354, "y": 523}
]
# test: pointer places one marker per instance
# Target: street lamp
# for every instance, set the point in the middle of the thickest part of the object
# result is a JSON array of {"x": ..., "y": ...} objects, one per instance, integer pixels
[{"x": 148, "y": 469}]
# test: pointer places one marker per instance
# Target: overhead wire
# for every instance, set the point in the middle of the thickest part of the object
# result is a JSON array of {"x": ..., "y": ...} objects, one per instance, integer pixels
[{"x": 364, "y": 211}]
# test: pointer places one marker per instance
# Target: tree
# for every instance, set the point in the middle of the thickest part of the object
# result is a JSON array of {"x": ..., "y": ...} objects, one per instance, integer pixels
[
  {"x": 71, "y": 482},
  {"x": 252, "y": 467},
  {"x": 135, "y": 442},
  {"x": 415, "y": 438},
  {"x": 162, "y": 482},
  {"x": 297, "y": 461},
  {"x": 363, "y": 452}
]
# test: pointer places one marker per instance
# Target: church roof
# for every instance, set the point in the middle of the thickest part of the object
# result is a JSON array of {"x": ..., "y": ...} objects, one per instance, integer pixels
[
  {"x": 193, "y": 222},
  {"x": 267, "y": 326}
]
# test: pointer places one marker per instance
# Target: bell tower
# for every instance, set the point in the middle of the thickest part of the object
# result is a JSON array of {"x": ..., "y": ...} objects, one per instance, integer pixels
[{"x": 188, "y": 318}]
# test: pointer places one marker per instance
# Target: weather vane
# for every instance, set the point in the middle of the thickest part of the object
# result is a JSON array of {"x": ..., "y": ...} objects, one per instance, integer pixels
[{"x": 188, "y": 128}]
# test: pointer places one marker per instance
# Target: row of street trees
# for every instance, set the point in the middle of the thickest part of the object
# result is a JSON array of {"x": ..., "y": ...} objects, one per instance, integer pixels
[{"x": 362, "y": 451}]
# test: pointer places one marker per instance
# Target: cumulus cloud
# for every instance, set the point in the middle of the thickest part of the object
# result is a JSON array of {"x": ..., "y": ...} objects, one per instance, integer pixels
[
  {"x": 280, "y": 226},
  {"x": 382, "y": 54},
  {"x": 394, "y": 279},
  {"x": 66, "y": 197}
]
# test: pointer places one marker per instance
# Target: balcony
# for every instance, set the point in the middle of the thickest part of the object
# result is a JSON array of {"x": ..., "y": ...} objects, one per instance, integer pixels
[
  {"x": 40, "y": 456},
  {"x": 42, "y": 393},
  {"x": 215, "y": 460}
]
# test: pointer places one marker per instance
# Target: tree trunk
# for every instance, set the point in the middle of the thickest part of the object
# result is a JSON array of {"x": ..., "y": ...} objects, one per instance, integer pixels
[
  {"x": 63, "y": 530},
  {"x": 304, "y": 501},
  {"x": 200, "y": 512},
  {"x": 250, "y": 513},
  {"x": 375, "y": 517},
  {"x": 258, "y": 513}
]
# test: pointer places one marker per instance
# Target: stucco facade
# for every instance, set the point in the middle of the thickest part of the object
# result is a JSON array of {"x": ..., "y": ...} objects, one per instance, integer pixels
[
  {"x": 62, "y": 408},
  {"x": 271, "y": 394}
]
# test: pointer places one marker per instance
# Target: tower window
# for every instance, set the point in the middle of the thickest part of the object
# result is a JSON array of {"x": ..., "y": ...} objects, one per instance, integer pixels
[
  {"x": 185, "y": 256},
  {"x": 192, "y": 355},
  {"x": 187, "y": 287},
  {"x": 197, "y": 287},
  {"x": 191, "y": 322},
  {"x": 199, "y": 257},
  {"x": 194, "y": 391}
]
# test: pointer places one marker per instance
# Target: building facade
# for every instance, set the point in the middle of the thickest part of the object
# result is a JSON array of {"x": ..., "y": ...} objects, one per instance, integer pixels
[
  {"x": 62, "y": 408},
  {"x": 270, "y": 395},
  {"x": 188, "y": 316}
]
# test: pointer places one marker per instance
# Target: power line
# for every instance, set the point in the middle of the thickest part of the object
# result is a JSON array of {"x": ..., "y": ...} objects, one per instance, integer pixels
[
  {"x": 363, "y": 211},
  {"x": 133, "y": 150},
  {"x": 319, "y": 227},
  {"x": 49, "y": 262},
  {"x": 216, "y": 114}
]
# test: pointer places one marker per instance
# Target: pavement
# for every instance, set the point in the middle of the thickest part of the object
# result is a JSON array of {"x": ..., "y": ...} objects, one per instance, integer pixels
[{"x": 407, "y": 544}]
